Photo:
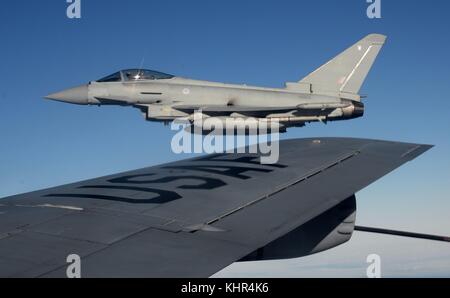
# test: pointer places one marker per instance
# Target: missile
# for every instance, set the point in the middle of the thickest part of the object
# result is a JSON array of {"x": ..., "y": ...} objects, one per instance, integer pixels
[{"x": 323, "y": 106}]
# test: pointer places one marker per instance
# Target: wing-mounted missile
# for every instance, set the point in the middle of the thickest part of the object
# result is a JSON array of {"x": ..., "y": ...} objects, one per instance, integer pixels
[
  {"x": 228, "y": 109},
  {"x": 324, "y": 106}
]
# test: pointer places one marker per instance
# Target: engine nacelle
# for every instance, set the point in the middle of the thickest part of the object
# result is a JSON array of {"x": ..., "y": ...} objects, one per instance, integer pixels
[{"x": 328, "y": 230}]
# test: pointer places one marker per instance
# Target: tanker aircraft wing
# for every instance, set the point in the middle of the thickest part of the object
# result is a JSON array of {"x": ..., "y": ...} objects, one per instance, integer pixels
[{"x": 194, "y": 217}]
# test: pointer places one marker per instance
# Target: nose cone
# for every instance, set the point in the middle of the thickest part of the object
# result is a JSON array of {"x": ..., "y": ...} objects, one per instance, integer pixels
[{"x": 77, "y": 95}]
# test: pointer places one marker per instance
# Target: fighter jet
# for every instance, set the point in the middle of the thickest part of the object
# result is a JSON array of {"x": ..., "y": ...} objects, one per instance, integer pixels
[{"x": 329, "y": 93}]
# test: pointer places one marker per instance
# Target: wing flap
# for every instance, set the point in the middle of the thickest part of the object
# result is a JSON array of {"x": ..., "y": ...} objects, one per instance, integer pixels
[{"x": 154, "y": 253}]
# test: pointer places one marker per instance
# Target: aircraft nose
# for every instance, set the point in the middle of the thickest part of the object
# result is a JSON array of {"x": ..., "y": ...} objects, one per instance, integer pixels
[{"x": 78, "y": 95}]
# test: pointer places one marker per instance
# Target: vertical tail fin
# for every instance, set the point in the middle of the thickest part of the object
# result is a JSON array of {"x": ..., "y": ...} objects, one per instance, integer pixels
[{"x": 347, "y": 71}]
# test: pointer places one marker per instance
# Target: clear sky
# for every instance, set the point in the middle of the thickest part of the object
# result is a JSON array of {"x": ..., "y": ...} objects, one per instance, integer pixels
[{"x": 45, "y": 143}]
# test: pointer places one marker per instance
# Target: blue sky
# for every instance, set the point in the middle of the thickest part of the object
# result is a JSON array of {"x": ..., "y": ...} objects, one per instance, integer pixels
[{"x": 266, "y": 43}]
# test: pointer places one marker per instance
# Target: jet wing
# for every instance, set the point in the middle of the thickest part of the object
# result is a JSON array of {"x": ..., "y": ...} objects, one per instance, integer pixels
[{"x": 189, "y": 218}]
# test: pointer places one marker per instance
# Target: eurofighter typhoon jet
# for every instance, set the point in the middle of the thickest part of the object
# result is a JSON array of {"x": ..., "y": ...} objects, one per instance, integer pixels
[{"x": 329, "y": 93}]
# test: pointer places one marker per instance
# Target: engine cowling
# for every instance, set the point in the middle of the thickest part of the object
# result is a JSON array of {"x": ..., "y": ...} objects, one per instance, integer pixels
[
  {"x": 355, "y": 110},
  {"x": 328, "y": 230}
]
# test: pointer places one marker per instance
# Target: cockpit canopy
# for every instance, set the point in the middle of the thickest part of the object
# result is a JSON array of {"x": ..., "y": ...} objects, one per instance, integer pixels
[{"x": 135, "y": 75}]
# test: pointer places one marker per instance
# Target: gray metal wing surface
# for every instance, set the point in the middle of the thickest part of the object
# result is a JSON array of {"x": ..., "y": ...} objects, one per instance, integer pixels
[{"x": 189, "y": 218}]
